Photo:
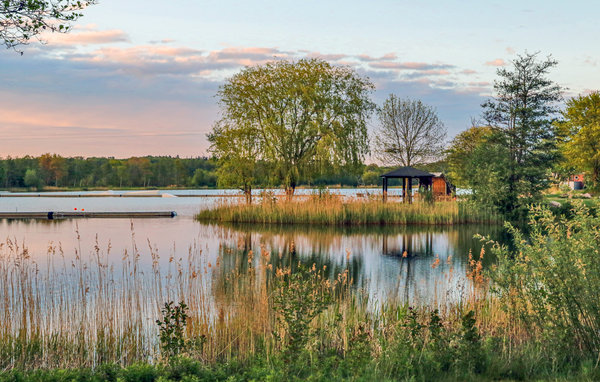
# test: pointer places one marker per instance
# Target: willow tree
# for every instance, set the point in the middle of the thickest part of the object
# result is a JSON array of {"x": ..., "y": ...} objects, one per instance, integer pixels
[
  {"x": 21, "y": 20},
  {"x": 308, "y": 116},
  {"x": 237, "y": 149}
]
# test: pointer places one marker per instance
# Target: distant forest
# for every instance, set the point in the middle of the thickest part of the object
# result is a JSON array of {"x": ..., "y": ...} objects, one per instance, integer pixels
[{"x": 50, "y": 170}]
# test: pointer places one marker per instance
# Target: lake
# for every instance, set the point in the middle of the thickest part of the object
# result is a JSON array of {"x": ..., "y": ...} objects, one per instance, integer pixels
[
  {"x": 72, "y": 269},
  {"x": 375, "y": 254}
]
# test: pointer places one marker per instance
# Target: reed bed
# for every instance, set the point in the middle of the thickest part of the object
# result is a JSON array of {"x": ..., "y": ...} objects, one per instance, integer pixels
[
  {"x": 86, "y": 310},
  {"x": 337, "y": 210}
]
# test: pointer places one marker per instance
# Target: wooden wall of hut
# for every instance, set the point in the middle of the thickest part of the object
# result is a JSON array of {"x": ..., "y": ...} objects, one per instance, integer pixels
[{"x": 440, "y": 188}]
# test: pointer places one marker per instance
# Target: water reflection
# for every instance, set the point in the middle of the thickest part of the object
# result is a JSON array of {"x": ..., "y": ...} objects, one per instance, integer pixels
[{"x": 416, "y": 264}]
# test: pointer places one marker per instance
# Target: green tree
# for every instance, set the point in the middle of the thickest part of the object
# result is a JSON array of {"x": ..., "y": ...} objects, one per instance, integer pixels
[
  {"x": 308, "y": 116},
  {"x": 32, "y": 179},
  {"x": 460, "y": 154},
  {"x": 371, "y": 175},
  {"x": 20, "y": 20},
  {"x": 521, "y": 115},
  {"x": 53, "y": 168},
  {"x": 410, "y": 132},
  {"x": 237, "y": 149},
  {"x": 581, "y": 131}
]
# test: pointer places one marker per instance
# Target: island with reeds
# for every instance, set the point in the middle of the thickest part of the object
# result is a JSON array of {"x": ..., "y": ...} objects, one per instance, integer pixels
[{"x": 346, "y": 211}]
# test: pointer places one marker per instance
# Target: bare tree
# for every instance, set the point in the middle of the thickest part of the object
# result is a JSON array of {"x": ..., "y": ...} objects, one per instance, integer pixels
[{"x": 410, "y": 132}]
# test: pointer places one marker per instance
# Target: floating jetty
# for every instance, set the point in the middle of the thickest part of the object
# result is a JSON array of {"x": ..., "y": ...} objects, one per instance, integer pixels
[
  {"x": 107, "y": 195},
  {"x": 84, "y": 214}
]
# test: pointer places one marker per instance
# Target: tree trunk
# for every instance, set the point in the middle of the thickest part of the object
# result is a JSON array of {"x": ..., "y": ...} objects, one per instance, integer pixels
[
  {"x": 248, "y": 194},
  {"x": 289, "y": 191}
]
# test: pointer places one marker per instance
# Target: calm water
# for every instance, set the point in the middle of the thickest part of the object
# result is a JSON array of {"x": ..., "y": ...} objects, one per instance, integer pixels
[{"x": 373, "y": 255}]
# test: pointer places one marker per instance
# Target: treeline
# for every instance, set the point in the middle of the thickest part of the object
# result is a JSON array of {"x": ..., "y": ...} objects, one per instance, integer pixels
[
  {"x": 52, "y": 170},
  {"x": 77, "y": 172}
]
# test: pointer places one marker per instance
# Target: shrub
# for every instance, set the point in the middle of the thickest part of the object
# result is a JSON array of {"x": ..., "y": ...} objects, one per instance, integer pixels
[
  {"x": 551, "y": 280},
  {"x": 299, "y": 297},
  {"x": 172, "y": 328}
]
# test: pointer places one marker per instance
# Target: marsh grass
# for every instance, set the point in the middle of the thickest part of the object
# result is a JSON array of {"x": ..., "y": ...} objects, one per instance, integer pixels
[{"x": 337, "y": 210}]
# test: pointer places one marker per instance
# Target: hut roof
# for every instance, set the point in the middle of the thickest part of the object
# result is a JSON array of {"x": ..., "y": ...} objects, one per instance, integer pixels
[{"x": 406, "y": 172}]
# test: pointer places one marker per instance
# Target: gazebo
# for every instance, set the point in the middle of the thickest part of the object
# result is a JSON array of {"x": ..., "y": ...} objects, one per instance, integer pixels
[{"x": 407, "y": 174}]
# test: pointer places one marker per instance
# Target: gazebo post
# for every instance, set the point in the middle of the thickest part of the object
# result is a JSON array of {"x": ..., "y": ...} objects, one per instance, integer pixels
[
  {"x": 407, "y": 174},
  {"x": 385, "y": 188}
]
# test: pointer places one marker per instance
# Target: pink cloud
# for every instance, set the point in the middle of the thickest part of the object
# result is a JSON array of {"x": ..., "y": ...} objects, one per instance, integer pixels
[
  {"x": 496, "y": 62},
  {"x": 407, "y": 65},
  {"x": 385, "y": 57},
  {"x": 436, "y": 72},
  {"x": 89, "y": 37}
]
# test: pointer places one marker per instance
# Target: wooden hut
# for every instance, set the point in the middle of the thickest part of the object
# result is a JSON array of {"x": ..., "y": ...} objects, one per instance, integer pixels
[
  {"x": 440, "y": 185},
  {"x": 407, "y": 174}
]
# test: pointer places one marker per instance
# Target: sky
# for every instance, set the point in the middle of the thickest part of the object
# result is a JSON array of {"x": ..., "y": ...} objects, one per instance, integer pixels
[{"x": 139, "y": 77}]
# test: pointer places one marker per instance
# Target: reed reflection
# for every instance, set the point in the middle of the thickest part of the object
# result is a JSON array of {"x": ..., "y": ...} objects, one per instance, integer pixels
[{"x": 410, "y": 263}]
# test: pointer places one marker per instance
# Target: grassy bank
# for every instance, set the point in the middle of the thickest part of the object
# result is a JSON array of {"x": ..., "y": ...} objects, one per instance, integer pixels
[{"x": 347, "y": 211}]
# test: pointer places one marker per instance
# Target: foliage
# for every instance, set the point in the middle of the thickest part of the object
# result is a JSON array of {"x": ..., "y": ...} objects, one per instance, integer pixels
[
  {"x": 410, "y": 132},
  {"x": 237, "y": 148},
  {"x": 371, "y": 176},
  {"x": 21, "y": 20},
  {"x": 172, "y": 328},
  {"x": 76, "y": 172},
  {"x": 580, "y": 131},
  {"x": 298, "y": 298},
  {"x": 307, "y": 116},
  {"x": 487, "y": 176},
  {"x": 151, "y": 172},
  {"x": 521, "y": 115},
  {"x": 460, "y": 155},
  {"x": 31, "y": 179},
  {"x": 551, "y": 280},
  {"x": 426, "y": 196}
]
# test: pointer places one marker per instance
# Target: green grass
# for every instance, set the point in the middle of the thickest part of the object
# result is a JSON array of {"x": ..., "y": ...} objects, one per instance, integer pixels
[
  {"x": 556, "y": 198},
  {"x": 346, "y": 212}
]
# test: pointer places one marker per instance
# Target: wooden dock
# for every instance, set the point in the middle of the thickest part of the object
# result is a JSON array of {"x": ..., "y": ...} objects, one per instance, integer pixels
[
  {"x": 78, "y": 214},
  {"x": 42, "y": 195}
]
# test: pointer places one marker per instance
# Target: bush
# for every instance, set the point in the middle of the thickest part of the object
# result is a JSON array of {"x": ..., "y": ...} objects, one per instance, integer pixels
[
  {"x": 172, "y": 327},
  {"x": 551, "y": 280},
  {"x": 299, "y": 297}
]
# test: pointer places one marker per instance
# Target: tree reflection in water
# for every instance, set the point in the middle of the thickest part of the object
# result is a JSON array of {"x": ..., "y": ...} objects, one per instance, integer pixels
[{"x": 387, "y": 262}]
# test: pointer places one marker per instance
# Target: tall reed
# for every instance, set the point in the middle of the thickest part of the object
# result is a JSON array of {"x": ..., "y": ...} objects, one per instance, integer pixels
[
  {"x": 333, "y": 210},
  {"x": 87, "y": 309}
]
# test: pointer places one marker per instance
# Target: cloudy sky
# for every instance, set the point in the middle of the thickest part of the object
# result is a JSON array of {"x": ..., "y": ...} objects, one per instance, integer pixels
[{"x": 138, "y": 77}]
